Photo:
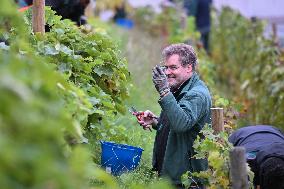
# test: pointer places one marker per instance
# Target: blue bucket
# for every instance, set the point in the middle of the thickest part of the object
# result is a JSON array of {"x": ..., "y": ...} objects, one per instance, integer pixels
[
  {"x": 119, "y": 158},
  {"x": 125, "y": 23}
]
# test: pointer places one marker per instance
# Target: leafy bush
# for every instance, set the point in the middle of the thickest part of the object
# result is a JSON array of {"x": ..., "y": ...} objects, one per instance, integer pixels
[
  {"x": 216, "y": 148},
  {"x": 43, "y": 111},
  {"x": 33, "y": 122},
  {"x": 91, "y": 61},
  {"x": 171, "y": 24},
  {"x": 248, "y": 68}
]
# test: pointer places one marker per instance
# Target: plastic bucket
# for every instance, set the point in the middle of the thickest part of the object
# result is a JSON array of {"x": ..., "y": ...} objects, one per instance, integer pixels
[
  {"x": 125, "y": 23},
  {"x": 119, "y": 158}
]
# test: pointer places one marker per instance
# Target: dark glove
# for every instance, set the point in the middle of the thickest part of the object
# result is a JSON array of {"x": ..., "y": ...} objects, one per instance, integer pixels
[{"x": 160, "y": 80}]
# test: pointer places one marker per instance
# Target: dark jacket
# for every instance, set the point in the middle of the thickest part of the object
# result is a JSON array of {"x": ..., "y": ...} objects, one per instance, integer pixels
[
  {"x": 203, "y": 14},
  {"x": 262, "y": 141},
  {"x": 184, "y": 114},
  {"x": 200, "y": 9},
  {"x": 254, "y": 138}
]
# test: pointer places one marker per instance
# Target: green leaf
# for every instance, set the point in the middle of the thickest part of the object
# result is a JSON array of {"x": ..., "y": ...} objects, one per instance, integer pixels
[
  {"x": 59, "y": 31},
  {"x": 94, "y": 101},
  {"x": 4, "y": 46},
  {"x": 63, "y": 48},
  {"x": 49, "y": 50},
  {"x": 108, "y": 104},
  {"x": 103, "y": 70},
  {"x": 64, "y": 67},
  {"x": 97, "y": 62}
]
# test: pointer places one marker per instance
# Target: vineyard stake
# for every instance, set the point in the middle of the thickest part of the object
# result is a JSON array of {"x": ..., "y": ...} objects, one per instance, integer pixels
[
  {"x": 217, "y": 120},
  {"x": 38, "y": 20},
  {"x": 238, "y": 171}
]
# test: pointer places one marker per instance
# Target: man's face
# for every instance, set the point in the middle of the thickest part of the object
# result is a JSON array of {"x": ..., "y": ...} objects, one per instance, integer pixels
[{"x": 176, "y": 73}]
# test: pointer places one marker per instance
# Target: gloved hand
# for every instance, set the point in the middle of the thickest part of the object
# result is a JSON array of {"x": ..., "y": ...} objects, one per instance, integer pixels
[{"x": 160, "y": 80}]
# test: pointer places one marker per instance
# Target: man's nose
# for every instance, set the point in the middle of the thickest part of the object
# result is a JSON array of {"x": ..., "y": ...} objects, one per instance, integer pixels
[{"x": 167, "y": 71}]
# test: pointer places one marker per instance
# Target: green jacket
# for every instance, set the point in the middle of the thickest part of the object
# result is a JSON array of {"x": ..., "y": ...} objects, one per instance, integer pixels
[{"x": 186, "y": 113}]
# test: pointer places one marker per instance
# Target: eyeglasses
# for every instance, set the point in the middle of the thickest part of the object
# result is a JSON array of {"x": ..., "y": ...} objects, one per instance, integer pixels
[{"x": 172, "y": 68}]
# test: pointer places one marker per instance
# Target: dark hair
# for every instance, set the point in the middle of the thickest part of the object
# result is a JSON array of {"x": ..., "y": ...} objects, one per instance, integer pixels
[
  {"x": 187, "y": 55},
  {"x": 272, "y": 173}
]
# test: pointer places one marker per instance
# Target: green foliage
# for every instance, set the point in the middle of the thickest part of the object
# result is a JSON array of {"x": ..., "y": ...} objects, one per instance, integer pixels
[
  {"x": 186, "y": 33},
  {"x": 216, "y": 148},
  {"x": 145, "y": 18},
  {"x": 87, "y": 59},
  {"x": 33, "y": 122},
  {"x": 172, "y": 24},
  {"x": 43, "y": 111},
  {"x": 206, "y": 69},
  {"x": 247, "y": 66},
  {"x": 9, "y": 19},
  {"x": 91, "y": 62}
]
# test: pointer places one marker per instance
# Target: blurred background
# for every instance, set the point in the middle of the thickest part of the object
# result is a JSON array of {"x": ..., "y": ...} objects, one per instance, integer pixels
[{"x": 104, "y": 54}]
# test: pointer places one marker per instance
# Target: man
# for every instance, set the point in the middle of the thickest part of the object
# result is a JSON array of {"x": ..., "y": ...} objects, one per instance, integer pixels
[
  {"x": 200, "y": 9},
  {"x": 265, "y": 154},
  {"x": 185, "y": 103}
]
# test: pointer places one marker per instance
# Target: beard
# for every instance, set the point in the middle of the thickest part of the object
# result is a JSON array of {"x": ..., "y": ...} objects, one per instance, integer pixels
[{"x": 173, "y": 84}]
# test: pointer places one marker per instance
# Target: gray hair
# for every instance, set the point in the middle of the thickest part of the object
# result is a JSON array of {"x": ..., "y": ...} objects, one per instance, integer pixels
[{"x": 186, "y": 54}]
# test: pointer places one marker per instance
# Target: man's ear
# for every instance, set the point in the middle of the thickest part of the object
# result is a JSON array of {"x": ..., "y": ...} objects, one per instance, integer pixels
[{"x": 189, "y": 68}]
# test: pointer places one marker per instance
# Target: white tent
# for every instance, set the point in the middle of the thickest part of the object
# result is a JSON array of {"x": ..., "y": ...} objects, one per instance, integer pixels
[{"x": 259, "y": 8}]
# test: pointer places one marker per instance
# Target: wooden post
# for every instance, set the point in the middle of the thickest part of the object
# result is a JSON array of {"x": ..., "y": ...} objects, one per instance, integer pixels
[
  {"x": 238, "y": 171},
  {"x": 274, "y": 34},
  {"x": 217, "y": 119},
  {"x": 38, "y": 16}
]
